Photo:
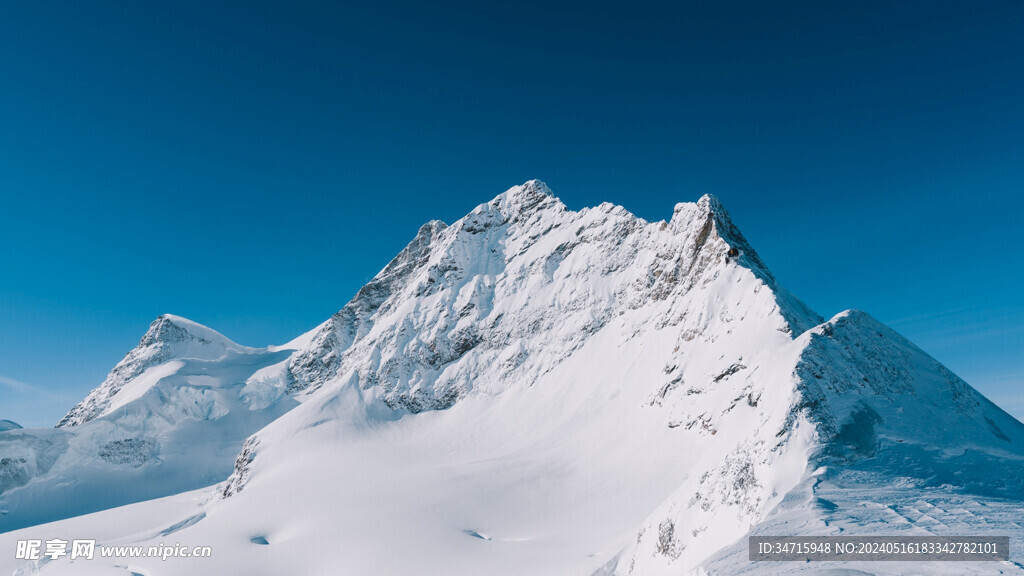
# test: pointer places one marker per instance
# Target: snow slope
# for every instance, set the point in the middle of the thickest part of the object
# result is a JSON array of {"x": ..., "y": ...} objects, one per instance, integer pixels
[{"x": 533, "y": 390}]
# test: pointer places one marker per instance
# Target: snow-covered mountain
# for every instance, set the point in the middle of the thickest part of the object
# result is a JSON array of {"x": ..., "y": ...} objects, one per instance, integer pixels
[
  {"x": 168, "y": 338},
  {"x": 533, "y": 390}
]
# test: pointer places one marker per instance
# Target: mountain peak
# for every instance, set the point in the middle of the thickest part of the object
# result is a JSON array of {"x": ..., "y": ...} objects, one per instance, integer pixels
[
  {"x": 685, "y": 213},
  {"x": 711, "y": 202},
  {"x": 168, "y": 337},
  {"x": 169, "y": 328},
  {"x": 528, "y": 197},
  {"x": 537, "y": 187}
]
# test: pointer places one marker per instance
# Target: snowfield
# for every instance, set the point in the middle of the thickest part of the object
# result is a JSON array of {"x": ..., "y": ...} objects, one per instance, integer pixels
[{"x": 529, "y": 390}]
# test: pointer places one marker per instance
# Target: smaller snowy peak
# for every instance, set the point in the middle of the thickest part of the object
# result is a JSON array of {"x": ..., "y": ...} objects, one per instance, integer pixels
[
  {"x": 169, "y": 418},
  {"x": 168, "y": 337},
  {"x": 9, "y": 425},
  {"x": 865, "y": 385}
]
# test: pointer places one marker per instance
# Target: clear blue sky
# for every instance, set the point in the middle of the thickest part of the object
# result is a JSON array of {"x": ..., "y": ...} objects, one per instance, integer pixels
[{"x": 249, "y": 165}]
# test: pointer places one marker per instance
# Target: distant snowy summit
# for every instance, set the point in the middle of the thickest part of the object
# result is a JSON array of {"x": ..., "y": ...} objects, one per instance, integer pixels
[{"x": 534, "y": 390}]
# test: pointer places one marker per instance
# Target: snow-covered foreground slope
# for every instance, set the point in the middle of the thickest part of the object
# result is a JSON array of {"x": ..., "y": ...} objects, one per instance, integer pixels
[
  {"x": 169, "y": 418},
  {"x": 533, "y": 390}
]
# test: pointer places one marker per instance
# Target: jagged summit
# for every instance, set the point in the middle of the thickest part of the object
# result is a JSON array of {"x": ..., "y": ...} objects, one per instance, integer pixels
[
  {"x": 521, "y": 201},
  {"x": 497, "y": 274},
  {"x": 527, "y": 190},
  {"x": 705, "y": 204}
]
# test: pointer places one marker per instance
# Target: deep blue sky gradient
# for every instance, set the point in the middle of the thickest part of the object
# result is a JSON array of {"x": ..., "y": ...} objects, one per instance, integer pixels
[{"x": 250, "y": 165}]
